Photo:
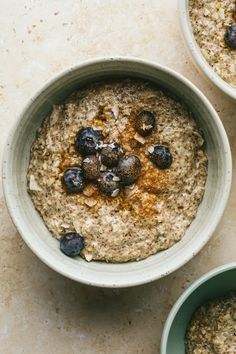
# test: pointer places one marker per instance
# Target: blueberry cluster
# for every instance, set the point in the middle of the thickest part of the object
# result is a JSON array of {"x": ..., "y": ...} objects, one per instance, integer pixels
[
  {"x": 103, "y": 164},
  {"x": 107, "y": 165}
]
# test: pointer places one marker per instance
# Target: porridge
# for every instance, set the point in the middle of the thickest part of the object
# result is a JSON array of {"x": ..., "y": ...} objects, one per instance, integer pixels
[
  {"x": 212, "y": 329},
  {"x": 213, "y": 24},
  {"x": 117, "y": 171}
]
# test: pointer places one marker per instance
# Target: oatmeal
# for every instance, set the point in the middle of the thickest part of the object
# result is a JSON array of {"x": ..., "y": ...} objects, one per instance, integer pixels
[
  {"x": 163, "y": 170},
  {"x": 212, "y": 329},
  {"x": 210, "y": 19}
]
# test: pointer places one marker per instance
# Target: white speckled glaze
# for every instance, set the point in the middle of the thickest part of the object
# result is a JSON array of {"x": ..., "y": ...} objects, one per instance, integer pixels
[
  {"x": 30, "y": 224},
  {"x": 195, "y": 51}
]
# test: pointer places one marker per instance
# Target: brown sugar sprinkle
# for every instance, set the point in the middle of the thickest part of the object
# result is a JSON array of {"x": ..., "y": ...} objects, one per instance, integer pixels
[{"x": 144, "y": 218}]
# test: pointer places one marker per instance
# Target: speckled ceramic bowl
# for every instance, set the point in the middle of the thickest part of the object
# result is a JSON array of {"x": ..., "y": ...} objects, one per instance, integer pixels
[
  {"x": 195, "y": 51},
  {"x": 30, "y": 224},
  {"x": 218, "y": 282}
]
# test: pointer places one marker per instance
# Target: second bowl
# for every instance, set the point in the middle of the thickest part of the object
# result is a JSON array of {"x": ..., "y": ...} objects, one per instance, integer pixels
[
  {"x": 196, "y": 53},
  {"x": 218, "y": 282}
]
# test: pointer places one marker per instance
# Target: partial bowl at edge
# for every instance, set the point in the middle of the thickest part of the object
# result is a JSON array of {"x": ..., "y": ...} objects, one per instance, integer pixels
[
  {"x": 218, "y": 282},
  {"x": 196, "y": 54}
]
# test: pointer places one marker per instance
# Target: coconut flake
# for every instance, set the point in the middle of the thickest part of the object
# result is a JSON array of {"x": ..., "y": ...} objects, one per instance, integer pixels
[
  {"x": 116, "y": 179},
  {"x": 150, "y": 149},
  {"x": 222, "y": 13},
  {"x": 115, "y": 110},
  {"x": 72, "y": 207},
  {"x": 232, "y": 68},
  {"x": 88, "y": 257},
  {"x": 139, "y": 138},
  {"x": 113, "y": 145},
  {"x": 98, "y": 128},
  {"x": 89, "y": 190},
  {"x": 115, "y": 193},
  {"x": 100, "y": 145},
  {"x": 50, "y": 181},
  {"x": 103, "y": 168},
  {"x": 127, "y": 147},
  {"x": 33, "y": 184},
  {"x": 87, "y": 193},
  {"x": 90, "y": 202},
  {"x": 77, "y": 226},
  {"x": 206, "y": 12},
  {"x": 91, "y": 114},
  {"x": 65, "y": 225},
  {"x": 146, "y": 127},
  {"x": 121, "y": 128}
]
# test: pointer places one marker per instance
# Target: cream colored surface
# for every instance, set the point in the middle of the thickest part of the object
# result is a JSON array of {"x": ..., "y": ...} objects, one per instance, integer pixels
[{"x": 40, "y": 311}]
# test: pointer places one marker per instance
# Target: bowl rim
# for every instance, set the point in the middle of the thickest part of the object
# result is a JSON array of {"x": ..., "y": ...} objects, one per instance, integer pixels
[
  {"x": 47, "y": 258},
  {"x": 196, "y": 53},
  {"x": 185, "y": 295}
]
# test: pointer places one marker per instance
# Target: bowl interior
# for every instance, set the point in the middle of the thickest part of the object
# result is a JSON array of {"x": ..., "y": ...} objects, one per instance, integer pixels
[
  {"x": 30, "y": 224},
  {"x": 219, "y": 285}
]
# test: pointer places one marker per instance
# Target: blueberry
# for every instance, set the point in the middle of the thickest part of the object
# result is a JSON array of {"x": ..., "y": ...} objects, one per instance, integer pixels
[
  {"x": 129, "y": 169},
  {"x": 108, "y": 184},
  {"x": 87, "y": 141},
  {"x": 71, "y": 244},
  {"x": 230, "y": 36},
  {"x": 161, "y": 156},
  {"x": 73, "y": 180},
  {"x": 111, "y": 154},
  {"x": 91, "y": 167},
  {"x": 145, "y": 122}
]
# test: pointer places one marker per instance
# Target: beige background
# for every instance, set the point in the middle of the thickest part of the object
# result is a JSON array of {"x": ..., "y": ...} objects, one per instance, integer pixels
[{"x": 40, "y": 311}]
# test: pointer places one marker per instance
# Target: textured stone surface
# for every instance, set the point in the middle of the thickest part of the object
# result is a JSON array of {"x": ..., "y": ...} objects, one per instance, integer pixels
[{"x": 41, "y": 311}]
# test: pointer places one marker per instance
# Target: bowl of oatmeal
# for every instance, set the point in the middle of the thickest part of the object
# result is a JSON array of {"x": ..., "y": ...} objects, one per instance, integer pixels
[
  {"x": 209, "y": 31},
  {"x": 203, "y": 318},
  {"x": 117, "y": 172}
]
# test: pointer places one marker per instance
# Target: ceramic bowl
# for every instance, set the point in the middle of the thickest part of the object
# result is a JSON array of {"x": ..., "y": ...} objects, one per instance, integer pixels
[
  {"x": 29, "y": 222},
  {"x": 218, "y": 282},
  {"x": 195, "y": 51}
]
